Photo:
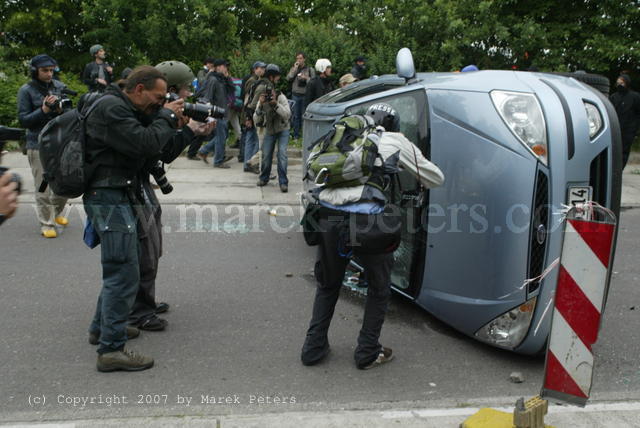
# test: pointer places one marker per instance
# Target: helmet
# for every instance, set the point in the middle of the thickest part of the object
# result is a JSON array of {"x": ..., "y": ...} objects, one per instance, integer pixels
[
  {"x": 272, "y": 70},
  {"x": 93, "y": 50},
  {"x": 177, "y": 73},
  {"x": 386, "y": 116},
  {"x": 322, "y": 64}
]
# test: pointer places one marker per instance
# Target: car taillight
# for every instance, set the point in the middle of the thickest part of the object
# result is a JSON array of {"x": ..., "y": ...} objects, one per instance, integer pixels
[
  {"x": 510, "y": 328},
  {"x": 523, "y": 115}
]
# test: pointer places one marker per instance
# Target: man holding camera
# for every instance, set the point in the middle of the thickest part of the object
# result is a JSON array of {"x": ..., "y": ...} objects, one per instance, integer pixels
[
  {"x": 299, "y": 75},
  {"x": 39, "y": 101},
  {"x": 97, "y": 74},
  {"x": 127, "y": 130},
  {"x": 273, "y": 113},
  {"x": 145, "y": 309},
  {"x": 214, "y": 90}
]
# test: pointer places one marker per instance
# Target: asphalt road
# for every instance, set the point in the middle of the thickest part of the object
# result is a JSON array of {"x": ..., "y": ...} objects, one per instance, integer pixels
[{"x": 240, "y": 304}]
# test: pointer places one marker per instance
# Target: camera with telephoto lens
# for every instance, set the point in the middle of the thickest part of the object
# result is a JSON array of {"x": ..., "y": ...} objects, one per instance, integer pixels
[
  {"x": 159, "y": 174},
  {"x": 199, "y": 112}
]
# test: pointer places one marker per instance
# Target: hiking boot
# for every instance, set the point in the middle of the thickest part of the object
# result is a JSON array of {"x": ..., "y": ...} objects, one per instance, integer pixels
[
  {"x": 203, "y": 156},
  {"x": 308, "y": 360},
  {"x": 162, "y": 307},
  {"x": 123, "y": 360},
  {"x": 385, "y": 355},
  {"x": 193, "y": 157},
  {"x": 284, "y": 188},
  {"x": 49, "y": 233},
  {"x": 62, "y": 221},
  {"x": 261, "y": 183},
  {"x": 153, "y": 323},
  {"x": 222, "y": 165},
  {"x": 132, "y": 333}
]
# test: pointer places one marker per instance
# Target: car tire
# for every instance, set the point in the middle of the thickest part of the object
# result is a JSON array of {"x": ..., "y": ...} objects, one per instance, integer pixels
[{"x": 598, "y": 81}]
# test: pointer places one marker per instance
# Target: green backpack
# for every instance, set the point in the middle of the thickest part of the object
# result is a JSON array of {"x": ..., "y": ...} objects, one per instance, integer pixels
[{"x": 345, "y": 156}]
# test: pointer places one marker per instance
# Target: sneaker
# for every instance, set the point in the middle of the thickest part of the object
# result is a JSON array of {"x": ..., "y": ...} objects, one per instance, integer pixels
[
  {"x": 153, "y": 323},
  {"x": 194, "y": 157},
  {"x": 222, "y": 165},
  {"x": 132, "y": 333},
  {"x": 284, "y": 188},
  {"x": 203, "y": 156},
  {"x": 251, "y": 169},
  {"x": 385, "y": 355},
  {"x": 62, "y": 221},
  {"x": 261, "y": 183},
  {"x": 123, "y": 360},
  {"x": 49, "y": 232}
]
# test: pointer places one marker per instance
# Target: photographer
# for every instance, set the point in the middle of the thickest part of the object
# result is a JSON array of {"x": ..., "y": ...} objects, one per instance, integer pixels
[
  {"x": 97, "y": 74},
  {"x": 127, "y": 130},
  {"x": 273, "y": 112},
  {"x": 145, "y": 309},
  {"x": 39, "y": 101},
  {"x": 299, "y": 75}
]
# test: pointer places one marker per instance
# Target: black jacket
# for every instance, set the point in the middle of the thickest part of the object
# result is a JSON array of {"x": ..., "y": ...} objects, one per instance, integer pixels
[
  {"x": 627, "y": 105},
  {"x": 121, "y": 140},
  {"x": 359, "y": 71},
  {"x": 215, "y": 89},
  {"x": 91, "y": 75},
  {"x": 30, "y": 115},
  {"x": 317, "y": 87}
]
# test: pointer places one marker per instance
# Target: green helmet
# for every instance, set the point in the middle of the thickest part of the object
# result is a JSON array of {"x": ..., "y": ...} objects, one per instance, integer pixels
[{"x": 177, "y": 73}]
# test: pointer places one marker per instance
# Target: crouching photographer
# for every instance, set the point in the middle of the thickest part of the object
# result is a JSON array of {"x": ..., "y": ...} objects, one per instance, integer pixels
[
  {"x": 39, "y": 101},
  {"x": 178, "y": 77}
]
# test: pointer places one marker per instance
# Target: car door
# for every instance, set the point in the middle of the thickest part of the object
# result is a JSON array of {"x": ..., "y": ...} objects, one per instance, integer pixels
[{"x": 405, "y": 191}]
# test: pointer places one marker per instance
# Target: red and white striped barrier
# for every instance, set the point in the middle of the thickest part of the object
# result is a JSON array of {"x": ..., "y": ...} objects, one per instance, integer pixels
[{"x": 579, "y": 300}]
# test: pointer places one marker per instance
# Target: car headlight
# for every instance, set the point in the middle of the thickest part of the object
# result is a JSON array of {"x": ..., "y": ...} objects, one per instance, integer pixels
[
  {"x": 510, "y": 328},
  {"x": 523, "y": 115},
  {"x": 595, "y": 119}
]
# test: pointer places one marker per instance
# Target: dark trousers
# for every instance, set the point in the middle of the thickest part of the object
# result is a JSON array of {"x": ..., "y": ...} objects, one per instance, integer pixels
[
  {"x": 112, "y": 215},
  {"x": 331, "y": 273},
  {"x": 150, "y": 238},
  {"x": 195, "y": 146}
]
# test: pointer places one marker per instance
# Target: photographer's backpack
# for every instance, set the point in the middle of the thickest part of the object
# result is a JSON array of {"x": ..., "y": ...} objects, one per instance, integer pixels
[
  {"x": 62, "y": 151},
  {"x": 345, "y": 156}
]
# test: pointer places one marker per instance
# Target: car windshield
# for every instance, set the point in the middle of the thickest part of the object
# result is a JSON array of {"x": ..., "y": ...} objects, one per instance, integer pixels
[{"x": 360, "y": 89}]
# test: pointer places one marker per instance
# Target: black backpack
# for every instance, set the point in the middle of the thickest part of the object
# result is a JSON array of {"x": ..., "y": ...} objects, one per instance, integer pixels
[{"x": 62, "y": 152}]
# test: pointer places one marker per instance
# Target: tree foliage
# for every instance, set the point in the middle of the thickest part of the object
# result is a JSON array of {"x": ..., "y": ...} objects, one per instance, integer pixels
[{"x": 598, "y": 36}]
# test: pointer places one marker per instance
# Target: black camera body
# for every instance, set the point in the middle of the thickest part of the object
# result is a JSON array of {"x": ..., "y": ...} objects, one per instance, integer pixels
[
  {"x": 63, "y": 103},
  {"x": 199, "y": 112},
  {"x": 159, "y": 174}
]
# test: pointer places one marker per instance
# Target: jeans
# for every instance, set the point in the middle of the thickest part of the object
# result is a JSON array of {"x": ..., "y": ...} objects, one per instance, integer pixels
[
  {"x": 330, "y": 272},
  {"x": 296, "y": 116},
  {"x": 113, "y": 218},
  {"x": 218, "y": 141},
  {"x": 268, "y": 146},
  {"x": 250, "y": 144}
]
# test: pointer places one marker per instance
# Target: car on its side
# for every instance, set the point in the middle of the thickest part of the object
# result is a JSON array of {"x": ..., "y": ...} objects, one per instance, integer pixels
[{"x": 515, "y": 148}]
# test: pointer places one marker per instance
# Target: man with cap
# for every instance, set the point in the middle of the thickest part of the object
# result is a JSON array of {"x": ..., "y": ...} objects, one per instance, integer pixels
[
  {"x": 250, "y": 134},
  {"x": 627, "y": 105},
  {"x": 214, "y": 90},
  {"x": 37, "y": 105},
  {"x": 97, "y": 74}
]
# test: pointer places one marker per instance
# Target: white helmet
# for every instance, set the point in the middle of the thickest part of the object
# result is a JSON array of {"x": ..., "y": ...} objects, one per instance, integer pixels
[{"x": 322, "y": 64}]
